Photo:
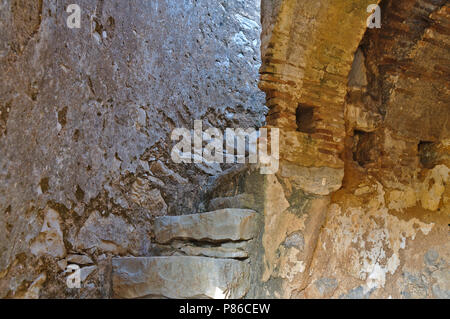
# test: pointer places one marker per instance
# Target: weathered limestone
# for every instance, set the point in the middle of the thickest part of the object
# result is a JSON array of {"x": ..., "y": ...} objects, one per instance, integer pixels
[
  {"x": 179, "y": 277},
  {"x": 314, "y": 180},
  {"x": 79, "y": 260},
  {"x": 50, "y": 239},
  {"x": 433, "y": 187},
  {"x": 159, "y": 168},
  {"x": 86, "y": 113},
  {"x": 35, "y": 287},
  {"x": 109, "y": 233},
  {"x": 290, "y": 235},
  {"x": 357, "y": 78},
  {"x": 147, "y": 197},
  {"x": 217, "y": 226},
  {"x": 246, "y": 201}
]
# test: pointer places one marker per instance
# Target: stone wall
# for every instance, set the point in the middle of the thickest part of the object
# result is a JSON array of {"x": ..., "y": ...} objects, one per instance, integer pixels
[
  {"x": 366, "y": 216},
  {"x": 85, "y": 122},
  {"x": 360, "y": 205}
]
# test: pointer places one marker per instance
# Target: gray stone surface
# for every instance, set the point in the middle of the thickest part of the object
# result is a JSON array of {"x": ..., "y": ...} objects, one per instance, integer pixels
[
  {"x": 50, "y": 240},
  {"x": 217, "y": 226},
  {"x": 356, "y": 293},
  {"x": 85, "y": 272},
  {"x": 86, "y": 116},
  {"x": 35, "y": 287},
  {"x": 326, "y": 286},
  {"x": 431, "y": 257},
  {"x": 179, "y": 277},
  {"x": 84, "y": 112},
  {"x": 296, "y": 240},
  {"x": 150, "y": 198},
  {"x": 238, "y": 201},
  {"x": 415, "y": 286},
  {"x": 441, "y": 289},
  {"x": 106, "y": 233}
]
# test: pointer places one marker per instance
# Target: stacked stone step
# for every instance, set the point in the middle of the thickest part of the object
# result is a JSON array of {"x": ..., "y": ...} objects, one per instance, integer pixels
[{"x": 217, "y": 269}]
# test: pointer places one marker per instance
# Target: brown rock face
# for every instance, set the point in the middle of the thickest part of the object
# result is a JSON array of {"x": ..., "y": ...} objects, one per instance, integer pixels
[{"x": 374, "y": 103}]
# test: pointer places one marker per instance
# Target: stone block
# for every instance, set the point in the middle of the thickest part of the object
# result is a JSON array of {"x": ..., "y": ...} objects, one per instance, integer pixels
[
  {"x": 218, "y": 226},
  {"x": 179, "y": 277}
]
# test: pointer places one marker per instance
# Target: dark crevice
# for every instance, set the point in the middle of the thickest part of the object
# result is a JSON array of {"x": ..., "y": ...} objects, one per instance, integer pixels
[
  {"x": 364, "y": 150},
  {"x": 427, "y": 154},
  {"x": 305, "y": 119},
  {"x": 79, "y": 194},
  {"x": 44, "y": 184}
]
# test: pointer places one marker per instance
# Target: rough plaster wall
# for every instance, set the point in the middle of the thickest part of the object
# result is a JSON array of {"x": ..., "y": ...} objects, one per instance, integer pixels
[
  {"x": 85, "y": 123},
  {"x": 384, "y": 232}
]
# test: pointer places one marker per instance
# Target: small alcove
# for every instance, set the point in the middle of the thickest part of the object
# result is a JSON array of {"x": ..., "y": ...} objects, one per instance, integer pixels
[
  {"x": 305, "y": 118},
  {"x": 364, "y": 148},
  {"x": 427, "y": 155}
]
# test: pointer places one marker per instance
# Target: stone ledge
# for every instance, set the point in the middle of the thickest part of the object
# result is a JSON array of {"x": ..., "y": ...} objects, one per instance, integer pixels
[
  {"x": 179, "y": 277},
  {"x": 217, "y": 226}
]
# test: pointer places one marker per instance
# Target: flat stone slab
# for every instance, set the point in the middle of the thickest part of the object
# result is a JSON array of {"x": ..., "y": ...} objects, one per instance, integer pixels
[
  {"x": 179, "y": 277},
  {"x": 217, "y": 226}
]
